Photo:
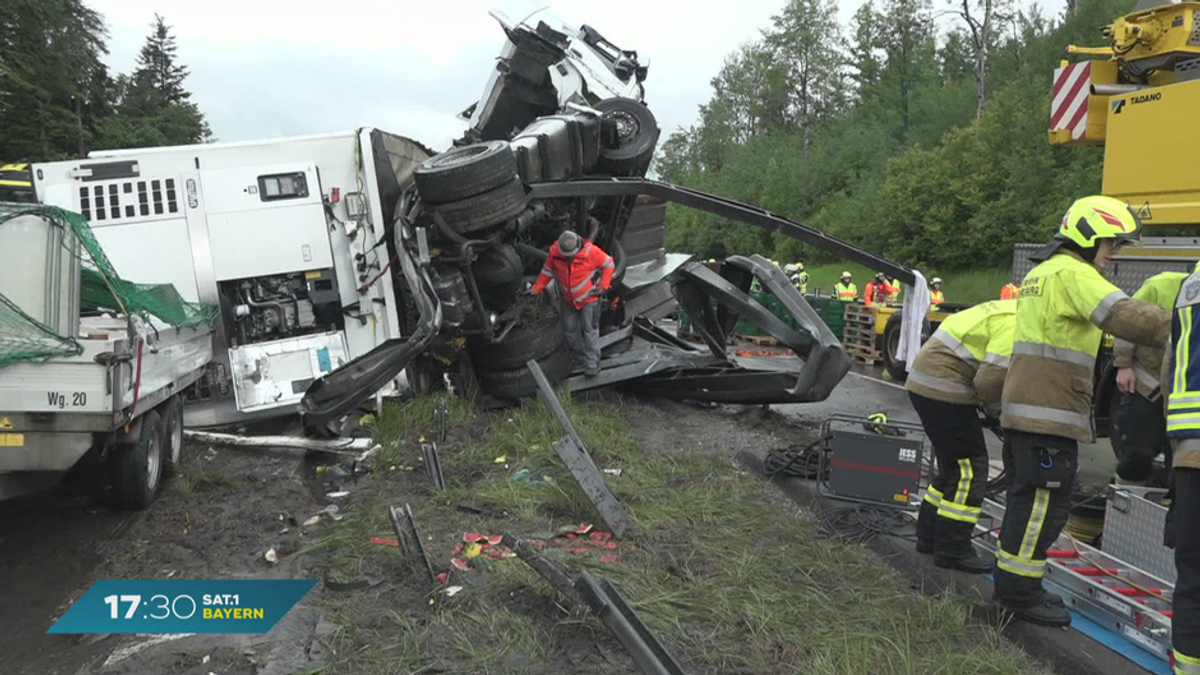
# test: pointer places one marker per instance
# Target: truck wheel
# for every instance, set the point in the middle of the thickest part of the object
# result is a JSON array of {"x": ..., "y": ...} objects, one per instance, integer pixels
[
  {"x": 634, "y": 133},
  {"x": 891, "y": 343},
  {"x": 519, "y": 382},
  {"x": 137, "y": 466},
  {"x": 533, "y": 338},
  {"x": 465, "y": 172},
  {"x": 484, "y": 210},
  {"x": 172, "y": 443}
]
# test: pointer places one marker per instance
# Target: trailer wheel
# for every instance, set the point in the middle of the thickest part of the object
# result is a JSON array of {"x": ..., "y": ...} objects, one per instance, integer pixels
[
  {"x": 465, "y": 172},
  {"x": 137, "y": 466},
  {"x": 631, "y": 137},
  {"x": 519, "y": 382},
  {"x": 172, "y": 417},
  {"x": 484, "y": 210},
  {"x": 891, "y": 344},
  {"x": 534, "y": 338}
]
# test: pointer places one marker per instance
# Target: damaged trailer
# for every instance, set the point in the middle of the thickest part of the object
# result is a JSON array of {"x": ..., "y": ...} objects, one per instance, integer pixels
[{"x": 353, "y": 266}]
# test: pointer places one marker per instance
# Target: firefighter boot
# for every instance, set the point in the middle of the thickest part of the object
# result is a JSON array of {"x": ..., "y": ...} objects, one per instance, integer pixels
[
  {"x": 1042, "y": 613},
  {"x": 971, "y": 564}
]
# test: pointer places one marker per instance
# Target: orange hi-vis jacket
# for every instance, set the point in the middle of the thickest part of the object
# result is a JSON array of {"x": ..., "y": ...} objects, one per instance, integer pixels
[
  {"x": 1010, "y": 291},
  {"x": 576, "y": 274},
  {"x": 877, "y": 292}
]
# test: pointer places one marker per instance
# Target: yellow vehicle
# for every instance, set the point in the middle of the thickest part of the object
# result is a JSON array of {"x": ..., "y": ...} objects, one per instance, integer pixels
[
  {"x": 16, "y": 184},
  {"x": 887, "y": 333},
  {"x": 1136, "y": 98}
]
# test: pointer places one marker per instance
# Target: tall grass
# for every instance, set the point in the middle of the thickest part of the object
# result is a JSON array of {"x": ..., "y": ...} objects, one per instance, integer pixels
[{"x": 971, "y": 286}]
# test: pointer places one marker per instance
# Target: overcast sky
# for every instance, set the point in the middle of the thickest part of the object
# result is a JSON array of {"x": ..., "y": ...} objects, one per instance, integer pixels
[{"x": 267, "y": 68}]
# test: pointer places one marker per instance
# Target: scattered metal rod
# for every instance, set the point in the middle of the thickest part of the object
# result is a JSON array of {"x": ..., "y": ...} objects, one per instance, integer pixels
[
  {"x": 441, "y": 420},
  {"x": 433, "y": 465},
  {"x": 650, "y": 656},
  {"x": 574, "y": 454},
  {"x": 411, "y": 544},
  {"x": 548, "y": 570},
  {"x": 341, "y": 446}
]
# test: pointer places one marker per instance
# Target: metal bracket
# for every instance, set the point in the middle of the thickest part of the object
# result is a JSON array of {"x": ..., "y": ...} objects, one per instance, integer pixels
[
  {"x": 650, "y": 656},
  {"x": 433, "y": 465},
  {"x": 574, "y": 454},
  {"x": 409, "y": 537}
]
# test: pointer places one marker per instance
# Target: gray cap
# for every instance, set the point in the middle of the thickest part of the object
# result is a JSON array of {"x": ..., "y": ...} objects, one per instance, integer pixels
[{"x": 568, "y": 243}]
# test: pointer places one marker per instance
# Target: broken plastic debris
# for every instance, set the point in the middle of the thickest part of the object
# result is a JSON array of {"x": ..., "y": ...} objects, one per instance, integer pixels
[
  {"x": 205, "y": 659},
  {"x": 338, "y": 495},
  {"x": 500, "y": 460},
  {"x": 271, "y": 556},
  {"x": 460, "y": 563},
  {"x": 520, "y": 476},
  {"x": 385, "y": 542},
  {"x": 452, "y": 591},
  {"x": 366, "y": 420},
  {"x": 442, "y": 577},
  {"x": 472, "y": 550},
  {"x": 311, "y": 521},
  {"x": 612, "y": 472},
  {"x": 331, "y": 509}
]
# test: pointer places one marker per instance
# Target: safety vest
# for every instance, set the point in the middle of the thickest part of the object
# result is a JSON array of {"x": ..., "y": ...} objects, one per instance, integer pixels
[
  {"x": 576, "y": 274},
  {"x": 800, "y": 281},
  {"x": 966, "y": 358},
  {"x": 1183, "y": 397},
  {"x": 845, "y": 292},
  {"x": 936, "y": 297},
  {"x": 1063, "y": 304},
  {"x": 1010, "y": 291},
  {"x": 1146, "y": 362},
  {"x": 894, "y": 296}
]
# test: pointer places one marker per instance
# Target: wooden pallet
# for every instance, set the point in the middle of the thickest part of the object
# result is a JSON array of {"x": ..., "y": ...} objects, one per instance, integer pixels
[
  {"x": 864, "y": 355},
  {"x": 758, "y": 340}
]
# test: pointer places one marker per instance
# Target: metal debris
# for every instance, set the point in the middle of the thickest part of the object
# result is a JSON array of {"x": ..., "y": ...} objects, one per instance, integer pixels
[
  {"x": 548, "y": 570},
  {"x": 606, "y": 602},
  {"x": 411, "y": 543},
  {"x": 433, "y": 465},
  {"x": 574, "y": 454}
]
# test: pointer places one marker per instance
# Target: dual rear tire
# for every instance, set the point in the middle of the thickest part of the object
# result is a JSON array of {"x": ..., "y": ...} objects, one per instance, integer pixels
[{"x": 144, "y": 458}]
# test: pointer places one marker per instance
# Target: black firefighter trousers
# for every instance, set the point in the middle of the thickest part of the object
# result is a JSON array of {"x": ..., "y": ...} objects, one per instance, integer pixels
[
  {"x": 1184, "y": 533},
  {"x": 952, "y": 503},
  {"x": 1039, "y": 500}
]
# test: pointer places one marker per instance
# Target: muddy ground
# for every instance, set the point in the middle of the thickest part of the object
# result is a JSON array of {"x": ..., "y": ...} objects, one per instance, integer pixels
[{"x": 229, "y": 507}]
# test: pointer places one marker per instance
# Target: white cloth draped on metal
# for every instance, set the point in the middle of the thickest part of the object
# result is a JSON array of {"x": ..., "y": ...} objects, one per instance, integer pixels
[{"x": 916, "y": 304}]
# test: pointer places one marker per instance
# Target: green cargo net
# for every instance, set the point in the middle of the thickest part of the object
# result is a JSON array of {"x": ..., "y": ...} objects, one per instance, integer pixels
[{"x": 23, "y": 338}]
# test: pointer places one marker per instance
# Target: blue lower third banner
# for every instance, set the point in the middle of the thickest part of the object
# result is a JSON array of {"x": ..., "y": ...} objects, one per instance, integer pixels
[{"x": 182, "y": 606}]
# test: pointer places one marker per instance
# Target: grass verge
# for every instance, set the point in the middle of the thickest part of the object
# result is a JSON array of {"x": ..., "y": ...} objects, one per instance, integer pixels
[
  {"x": 727, "y": 573},
  {"x": 971, "y": 286}
]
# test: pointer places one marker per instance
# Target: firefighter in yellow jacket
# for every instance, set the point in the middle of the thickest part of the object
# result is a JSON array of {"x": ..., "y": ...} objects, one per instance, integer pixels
[
  {"x": 1064, "y": 308},
  {"x": 1181, "y": 382},
  {"x": 1140, "y": 432},
  {"x": 960, "y": 367}
]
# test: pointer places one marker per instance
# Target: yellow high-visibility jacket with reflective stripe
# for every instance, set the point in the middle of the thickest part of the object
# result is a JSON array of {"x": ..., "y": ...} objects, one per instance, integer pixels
[
  {"x": 966, "y": 359},
  {"x": 845, "y": 292},
  {"x": 1063, "y": 311},
  {"x": 1183, "y": 376},
  {"x": 1146, "y": 362}
]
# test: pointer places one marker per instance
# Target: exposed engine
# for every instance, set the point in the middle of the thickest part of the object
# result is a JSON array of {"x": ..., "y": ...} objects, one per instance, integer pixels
[{"x": 268, "y": 308}]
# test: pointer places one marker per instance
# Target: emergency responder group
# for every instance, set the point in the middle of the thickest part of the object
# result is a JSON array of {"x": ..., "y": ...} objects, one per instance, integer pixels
[{"x": 1030, "y": 361}]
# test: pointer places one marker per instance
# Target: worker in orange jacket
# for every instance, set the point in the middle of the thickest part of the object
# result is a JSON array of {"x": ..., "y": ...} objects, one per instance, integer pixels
[
  {"x": 1010, "y": 291},
  {"x": 878, "y": 291},
  {"x": 584, "y": 273}
]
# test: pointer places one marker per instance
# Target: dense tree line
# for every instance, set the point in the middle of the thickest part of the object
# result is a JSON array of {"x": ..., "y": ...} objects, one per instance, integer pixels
[
  {"x": 927, "y": 145},
  {"x": 58, "y": 99}
]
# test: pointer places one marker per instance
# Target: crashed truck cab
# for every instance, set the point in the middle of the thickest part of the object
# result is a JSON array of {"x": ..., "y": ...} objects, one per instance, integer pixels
[{"x": 561, "y": 139}]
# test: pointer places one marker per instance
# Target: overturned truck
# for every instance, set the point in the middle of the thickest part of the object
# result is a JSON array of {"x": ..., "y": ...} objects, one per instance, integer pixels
[
  {"x": 357, "y": 265},
  {"x": 475, "y": 223}
]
